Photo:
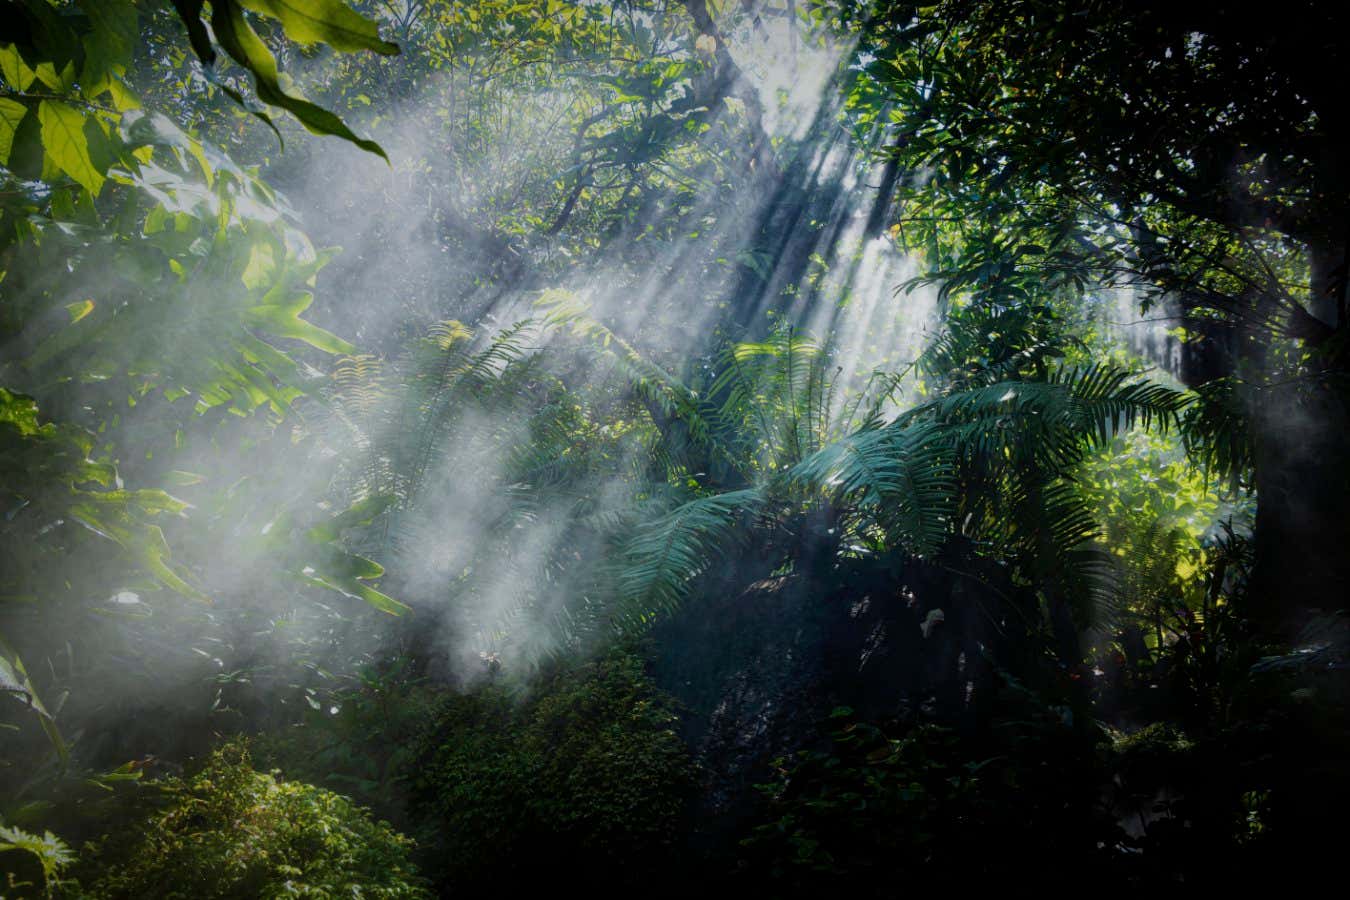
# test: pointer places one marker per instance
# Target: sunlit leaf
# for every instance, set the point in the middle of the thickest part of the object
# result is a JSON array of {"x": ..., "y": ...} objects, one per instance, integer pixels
[
  {"x": 64, "y": 140},
  {"x": 11, "y": 114},
  {"x": 329, "y": 22},
  {"x": 242, "y": 43}
]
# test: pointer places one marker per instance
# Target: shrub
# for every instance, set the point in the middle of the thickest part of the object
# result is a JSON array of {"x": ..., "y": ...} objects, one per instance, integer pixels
[
  {"x": 232, "y": 832},
  {"x": 869, "y": 811},
  {"x": 585, "y": 771}
]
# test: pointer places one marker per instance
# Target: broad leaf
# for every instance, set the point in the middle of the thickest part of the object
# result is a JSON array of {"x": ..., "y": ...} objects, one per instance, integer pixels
[
  {"x": 65, "y": 142},
  {"x": 329, "y": 22},
  {"x": 11, "y": 114}
]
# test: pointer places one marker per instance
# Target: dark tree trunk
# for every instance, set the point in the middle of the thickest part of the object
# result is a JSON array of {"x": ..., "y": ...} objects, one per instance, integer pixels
[{"x": 1302, "y": 542}]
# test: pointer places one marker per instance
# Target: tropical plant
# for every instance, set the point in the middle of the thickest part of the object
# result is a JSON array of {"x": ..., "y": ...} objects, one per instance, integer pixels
[
  {"x": 876, "y": 802},
  {"x": 987, "y": 464},
  {"x": 65, "y": 59},
  {"x": 582, "y": 766},
  {"x": 230, "y": 831},
  {"x": 51, "y": 855},
  {"x": 1071, "y": 146},
  {"x": 152, "y": 290}
]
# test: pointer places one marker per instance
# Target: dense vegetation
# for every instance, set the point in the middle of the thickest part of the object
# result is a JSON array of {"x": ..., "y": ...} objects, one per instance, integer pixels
[{"x": 794, "y": 446}]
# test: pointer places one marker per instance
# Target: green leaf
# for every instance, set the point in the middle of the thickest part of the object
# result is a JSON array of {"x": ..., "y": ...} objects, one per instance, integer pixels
[
  {"x": 329, "y": 22},
  {"x": 261, "y": 267},
  {"x": 14, "y": 681},
  {"x": 361, "y": 513},
  {"x": 143, "y": 542},
  {"x": 65, "y": 142},
  {"x": 356, "y": 589},
  {"x": 61, "y": 81},
  {"x": 11, "y": 114},
  {"x": 243, "y": 45},
  {"x": 14, "y": 69},
  {"x": 283, "y": 320},
  {"x": 79, "y": 309},
  {"x": 114, "y": 21},
  {"x": 380, "y": 601}
]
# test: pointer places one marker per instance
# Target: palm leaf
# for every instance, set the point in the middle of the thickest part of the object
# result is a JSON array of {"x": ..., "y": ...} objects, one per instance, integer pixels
[{"x": 664, "y": 556}]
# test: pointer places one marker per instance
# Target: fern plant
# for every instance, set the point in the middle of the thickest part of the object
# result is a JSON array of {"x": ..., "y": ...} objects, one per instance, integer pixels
[
  {"x": 51, "y": 854},
  {"x": 987, "y": 461}
]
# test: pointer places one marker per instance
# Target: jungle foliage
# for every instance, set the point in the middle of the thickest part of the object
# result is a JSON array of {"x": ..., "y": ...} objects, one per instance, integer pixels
[
  {"x": 230, "y": 831},
  {"x": 714, "y": 458}
]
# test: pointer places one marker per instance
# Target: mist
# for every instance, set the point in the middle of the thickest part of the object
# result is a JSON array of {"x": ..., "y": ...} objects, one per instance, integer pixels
[{"x": 774, "y": 445}]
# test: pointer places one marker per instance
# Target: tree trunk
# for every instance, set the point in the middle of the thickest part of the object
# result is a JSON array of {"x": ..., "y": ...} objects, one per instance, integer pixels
[{"x": 1302, "y": 542}]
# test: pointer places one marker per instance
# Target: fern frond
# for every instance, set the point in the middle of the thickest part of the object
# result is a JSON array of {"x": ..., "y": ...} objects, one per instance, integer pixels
[
  {"x": 52, "y": 853},
  {"x": 1217, "y": 431},
  {"x": 1053, "y": 421},
  {"x": 775, "y": 397},
  {"x": 982, "y": 344},
  {"x": 664, "y": 556},
  {"x": 902, "y": 477}
]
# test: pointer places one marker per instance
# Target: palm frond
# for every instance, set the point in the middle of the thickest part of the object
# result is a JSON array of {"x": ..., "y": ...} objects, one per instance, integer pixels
[
  {"x": 1053, "y": 421},
  {"x": 663, "y": 557},
  {"x": 1217, "y": 431},
  {"x": 903, "y": 477},
  {"x": 774, "y": 395}
]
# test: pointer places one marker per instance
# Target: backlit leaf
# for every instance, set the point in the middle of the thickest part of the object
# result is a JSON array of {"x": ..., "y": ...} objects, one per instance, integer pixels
[
  {"x": 11, "y": 114},
  {"x": 329, "y": 22},
  {"x": 64, "y": 140}
]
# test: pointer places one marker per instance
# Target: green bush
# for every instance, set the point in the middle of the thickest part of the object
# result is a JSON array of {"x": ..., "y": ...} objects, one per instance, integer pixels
[
  {"x": 1043, "y": 805},
  {"x": 870, "y": 810},
  {"x": 232, "y": 832},
  {"x": 584, "y": 771}
]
